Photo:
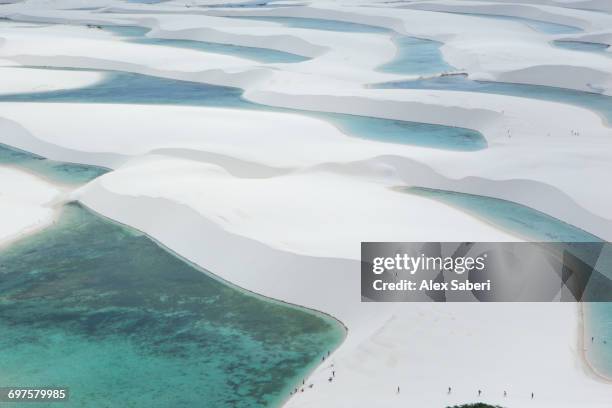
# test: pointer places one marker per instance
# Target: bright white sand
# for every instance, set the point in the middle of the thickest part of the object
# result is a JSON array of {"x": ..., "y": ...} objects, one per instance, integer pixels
[
  {"x": 221, "y": 222},
  {"x": 278, "y": 203},
  {"x": 60, "y": 42},
  {"x": 467, "y": 347},
  {"x": 25, "y": 204},
  {"x": 23, "y": 80},
  {"x": 487, "y": 48},
  {"x": 289, "y": 140},
  {"x": 324, "y": 213}
]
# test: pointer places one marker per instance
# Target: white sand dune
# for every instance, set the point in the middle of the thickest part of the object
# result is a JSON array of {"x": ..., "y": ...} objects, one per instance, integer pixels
[
  {"x": 278, "y": 203},
  {"x": 290, "y": 140},
  {"x": 584, "y": 19},
  {"x": 327, "y": 213},
  {"x": 229, "y": 225},
  {"x": 67, "y": 42},
  {"x": 23, "y": 80}
]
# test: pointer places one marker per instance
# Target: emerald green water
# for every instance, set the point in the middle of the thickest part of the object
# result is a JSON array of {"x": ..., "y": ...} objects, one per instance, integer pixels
[
  {"x": 102, "y": 309},
  {"x": 67, "y": 173}
]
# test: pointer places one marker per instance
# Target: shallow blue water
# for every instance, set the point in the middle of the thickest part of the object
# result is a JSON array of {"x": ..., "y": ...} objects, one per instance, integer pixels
[
  {"x": 67, "y": 173},
  {"x": 599, "y": 348},
  {"x": 95, "y": 306},
  {"x": 537, "y": 25},
  {"x": 319, "y": 24},
  {"x": 426, "y": 58},
  {"x": 120, "y": 87},
  {"x": 536, "y": 226},
  {"x": 525, "y": 221},
  {"x": 102, "y": 309},
  {"x": 127, "y": 31},
  {"x": 582, "y": 46},
  {"x": 264, "y": 55},
  {"x": 416, "y": 56},
  {"x": 412, "y": 133},
  {"x": 142, "y": 89},
  {"x": 593, "y": 101}
]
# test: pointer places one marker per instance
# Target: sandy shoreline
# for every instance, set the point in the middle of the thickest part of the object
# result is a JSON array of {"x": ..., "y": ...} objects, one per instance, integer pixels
[
  {"x": 244, "y": 290},
  {"x": 582, "y": 346},
  {"x": 293, "y": 234},
  {"x": 5, "y": 242},
  {"x": 29, "y": 198}
]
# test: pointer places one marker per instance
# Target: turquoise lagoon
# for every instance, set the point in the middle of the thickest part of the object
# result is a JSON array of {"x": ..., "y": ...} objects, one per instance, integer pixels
[
  {"x": 61, "y": 172},
  {"x": 583, "y": 46},
  {"x": 596, "y": 102},
  {"x": 536, "y": 226},
  {"x": 403, "y": 132},
  {"x": 135, "y": 88},
  {"x": 416, "y": 56},
  {"x": 516, "y": 218},
  {"x": 122, "y": 87},
  {"x": 104, "y": 310},
  {"x": 599, "y": 317},
  {"x": 264, "y": 55}
]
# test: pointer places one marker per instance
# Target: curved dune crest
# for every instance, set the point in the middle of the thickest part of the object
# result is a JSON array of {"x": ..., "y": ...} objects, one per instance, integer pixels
[{"x": 14, "y": 80}]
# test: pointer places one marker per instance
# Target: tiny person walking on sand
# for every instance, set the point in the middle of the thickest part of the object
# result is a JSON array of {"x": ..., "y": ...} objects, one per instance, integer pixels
[{"x": 398, "y": 389}]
